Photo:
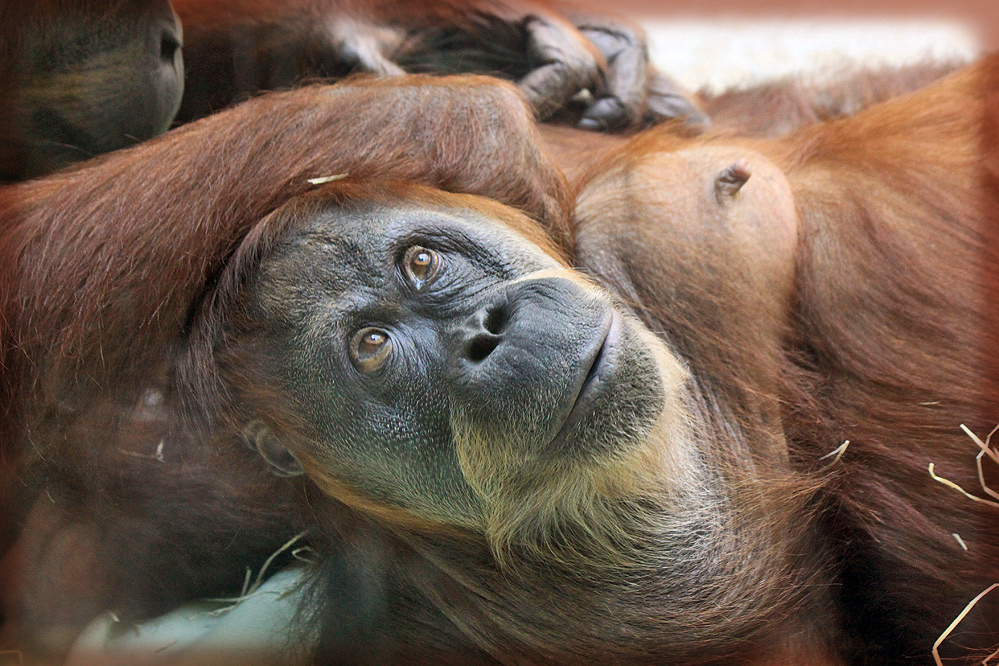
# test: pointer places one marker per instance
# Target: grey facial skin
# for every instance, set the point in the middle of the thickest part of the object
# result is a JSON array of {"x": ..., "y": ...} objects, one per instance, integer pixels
[{"x": 436, "y": 353}]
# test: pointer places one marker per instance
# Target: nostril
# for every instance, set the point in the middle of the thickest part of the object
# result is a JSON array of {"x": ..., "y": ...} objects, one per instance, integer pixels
[
  {"x": 485, "y": 330},
  {"x": 169, "y": 45},
  {"x": 496, "y": 320},
  {"x": 481, "y": 346}
]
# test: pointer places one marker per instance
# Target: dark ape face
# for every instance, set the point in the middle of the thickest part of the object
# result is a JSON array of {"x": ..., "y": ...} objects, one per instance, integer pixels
[
  {"x": 96, "y": 78},
  {"x": 448, "y": 366}
]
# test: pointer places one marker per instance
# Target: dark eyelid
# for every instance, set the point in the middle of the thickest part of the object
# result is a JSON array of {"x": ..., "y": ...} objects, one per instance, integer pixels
[
  {"x": 451, "y": 242},
  {"x": 438, "y": 265},
  {"x": 381, "y": 355}
]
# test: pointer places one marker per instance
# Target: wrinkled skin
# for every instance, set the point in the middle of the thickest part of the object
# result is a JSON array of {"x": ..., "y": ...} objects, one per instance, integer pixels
[{"x": 498, "y": 347}]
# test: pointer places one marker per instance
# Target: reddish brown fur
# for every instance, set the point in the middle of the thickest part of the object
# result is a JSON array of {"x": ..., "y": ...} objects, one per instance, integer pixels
[
  {"x": 767, "y": 110},
  {"x": 236, "y": 49},
  {"x": 85, "y": 77},
  {"x": 889, "y": 345},
  {"x": 869, "y": 327},
  {"x": 904, "y": 196},
  {"x": 174, "y": 215},
  {"x": 196, "y": 193},
  {"x": 775, "y": 108}
]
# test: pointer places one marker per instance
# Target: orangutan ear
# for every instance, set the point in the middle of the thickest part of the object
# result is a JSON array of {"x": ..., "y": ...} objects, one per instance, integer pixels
[
  {"x": 282, "y": 461},
  {"x": 730, "y": 180}
]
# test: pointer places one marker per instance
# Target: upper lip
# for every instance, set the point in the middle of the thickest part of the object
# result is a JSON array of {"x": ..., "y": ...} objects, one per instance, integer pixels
[{"x": 591, "y": 382}]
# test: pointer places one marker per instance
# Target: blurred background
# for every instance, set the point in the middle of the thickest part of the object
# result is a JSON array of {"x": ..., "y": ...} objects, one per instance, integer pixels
[{"x": 721, "y": 43}]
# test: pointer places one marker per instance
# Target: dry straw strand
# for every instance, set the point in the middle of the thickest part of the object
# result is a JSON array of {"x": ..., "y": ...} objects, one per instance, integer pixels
[
  {"x": 957, "y": 621},
  {"x": 838, "y": 452},
  {"x": 984, "y": 446},
  {"x": 951, "y": 484},
  {"x": 986, "y": 450},
  {"x": 251, "y": 590},
  {"x": 322, "y": 180}
]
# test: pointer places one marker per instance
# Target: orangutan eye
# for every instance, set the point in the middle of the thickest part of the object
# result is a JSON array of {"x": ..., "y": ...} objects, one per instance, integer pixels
[
  {"x": 421, "y": 266},
  {"x": 369, "y": 349}
]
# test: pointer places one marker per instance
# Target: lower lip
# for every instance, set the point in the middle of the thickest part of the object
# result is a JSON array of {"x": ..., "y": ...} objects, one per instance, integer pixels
[{"x": 593, "y": 385}]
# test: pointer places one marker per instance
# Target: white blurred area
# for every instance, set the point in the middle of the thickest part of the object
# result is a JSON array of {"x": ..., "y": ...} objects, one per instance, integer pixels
[{"x": 721, "y": 53}]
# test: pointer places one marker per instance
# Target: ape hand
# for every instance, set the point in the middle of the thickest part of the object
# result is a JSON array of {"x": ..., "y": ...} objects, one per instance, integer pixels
[
  {"x": 630, "y": 91},
  {"x": 552, "y": 55}
]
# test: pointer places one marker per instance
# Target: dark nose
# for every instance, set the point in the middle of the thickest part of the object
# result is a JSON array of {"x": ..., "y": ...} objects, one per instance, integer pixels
[
  {"x": 483, "y": 332},
  {"x": 526, "y": 330},
  {"x": 169, "y": 45},
  {"x": 519, "y": 359}
]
